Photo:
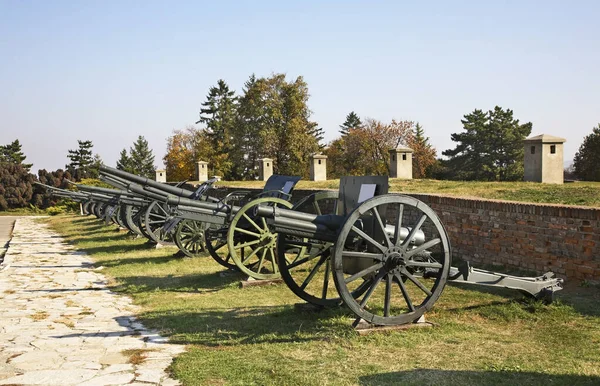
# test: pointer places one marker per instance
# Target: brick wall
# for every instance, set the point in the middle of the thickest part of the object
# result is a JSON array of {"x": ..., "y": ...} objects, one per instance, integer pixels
[{"x": 537, "y": 237}]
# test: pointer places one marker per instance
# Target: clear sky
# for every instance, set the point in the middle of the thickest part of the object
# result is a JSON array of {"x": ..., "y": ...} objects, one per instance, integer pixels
[{"x": 109, "y": 71}]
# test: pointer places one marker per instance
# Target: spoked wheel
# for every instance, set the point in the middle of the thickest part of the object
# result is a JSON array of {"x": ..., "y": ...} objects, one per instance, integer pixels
[
  {"x": 251, "y": 242},
  {"x": 216, "y": 244},
  {"x": 305, "y": 263},
  {"x": 129, "y": 215},
  {"x": 86, "y": 208},
  {"x": 155, "y": 217},
  {"x": 140, "y": 221},
  {"x": 391, "y": 257},
  {"x": 95, "y": 207},
  {"x": 189, "y": 237}
]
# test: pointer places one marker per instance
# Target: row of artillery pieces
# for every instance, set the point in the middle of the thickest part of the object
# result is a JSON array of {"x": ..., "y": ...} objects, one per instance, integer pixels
[{"x": 387, "y": 257}]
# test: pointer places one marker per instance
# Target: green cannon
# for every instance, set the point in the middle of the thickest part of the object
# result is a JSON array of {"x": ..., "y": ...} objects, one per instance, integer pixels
[{"x": 386, "y": 256}]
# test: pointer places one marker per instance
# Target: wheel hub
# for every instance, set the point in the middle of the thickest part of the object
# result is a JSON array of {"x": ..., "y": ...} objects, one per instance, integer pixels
[{"x": 394, "y": 257}]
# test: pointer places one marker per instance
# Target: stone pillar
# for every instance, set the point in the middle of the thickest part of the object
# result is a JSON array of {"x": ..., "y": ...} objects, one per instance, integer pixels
[
  {"x": 202, "y": 171},
  {"x": 318, "y": 168},
  {"x": 161, "y": 175},
  {"x": 265, "y": 168},
  {"x": 401, "y": 163},
  {"x": 544, "y": 159}
]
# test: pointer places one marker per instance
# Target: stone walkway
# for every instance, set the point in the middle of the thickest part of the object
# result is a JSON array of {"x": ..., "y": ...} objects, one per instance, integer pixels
[{"x": 60, "y": 325}]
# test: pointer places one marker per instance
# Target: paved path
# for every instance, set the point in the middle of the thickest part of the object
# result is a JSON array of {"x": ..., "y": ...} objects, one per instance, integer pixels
[
  {"x": 60, "y": 325},
  {"x": 6, "y": 225}
]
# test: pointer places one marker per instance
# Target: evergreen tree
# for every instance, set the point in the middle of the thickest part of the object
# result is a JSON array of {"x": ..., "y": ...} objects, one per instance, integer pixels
[
  {"x": 587, "y": 159},
  {"x": 124, "y": 162},
  {"x": 81, "y": 160},
  {"x": 218, "y": 113},
  {"x": 352, "y": 122},
  {"x": 319, "y": 134},
  {"x": 490, "y": 149},
  {"x": 142, "y": 159},
  {"x": 12, "y": 153},
  {"x": 94, "y": 171},
  {"x": 423, "y": 153}
]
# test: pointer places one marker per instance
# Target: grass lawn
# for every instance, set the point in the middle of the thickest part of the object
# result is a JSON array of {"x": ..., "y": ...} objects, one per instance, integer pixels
[
  {"x": 578, "y": 193},
  {"x": 258, "y": 336}
]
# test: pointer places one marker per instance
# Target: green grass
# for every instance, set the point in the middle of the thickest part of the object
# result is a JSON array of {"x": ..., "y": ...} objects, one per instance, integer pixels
[
  {"x": 258, "y": 336},
  {"x": 578, "y": 193}
]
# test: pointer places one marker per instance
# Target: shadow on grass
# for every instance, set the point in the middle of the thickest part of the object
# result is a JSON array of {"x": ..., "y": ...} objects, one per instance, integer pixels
[
  {"x": 193, "y": 283},
  {"x": 249, "y": 325},
  {"x": 456, "y": 377}
]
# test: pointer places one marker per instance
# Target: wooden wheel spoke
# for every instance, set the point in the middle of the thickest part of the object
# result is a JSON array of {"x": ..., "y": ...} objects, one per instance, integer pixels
[
  {"x": 312, "y": 273},
  {"x": 261, "y": 260},
  {"x": 423, "y": 247},
  {"x": 381, "y": 226},
  {"x": 364, "y": 272},
  {"x": 326, "y": 281},
  {"x": 369, "y": 239},
  {"x": 264, "y": 223},
  {"x": 416, "y": 282},
  {"x": 247, "y": 244},
  {"x": 363, "y": 255},
  {"x": 275, "y": 267},
  {"x": 398, "y": 229},
  {"x": 388, "y": 295},
  {"x": 404, "y": 292},
  {"x": 423, "y": 264},
  {"x": 242, "y": 230},
  {"x": 414, "y": 231},
  {"x": 297, "y": 263},
  {"x": 254, "y": 252},
  {"x": 255, "y": 225},
  {"x": 372, "y": 287}
]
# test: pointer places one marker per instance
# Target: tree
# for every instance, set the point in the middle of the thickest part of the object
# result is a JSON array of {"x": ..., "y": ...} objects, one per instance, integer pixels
[
  {"x": 490, "y": 149},
  {"x": 184, "y": 149},
  {"x": 319, "y": 134},
  {"x": 423, "y": 153},
  {"x": 81, "y": 160},
  {"x": 364, "y": 150},
  {"x": 16, "y": 188},
  {"x": 142, "y": 159},
  {"x": 587, "y": 159},
  {"x": 218, "y": 113},
  {"x": 41, "y": 196},
  {"x": 124, "y": 162},
  {"x": 274, "y": 121},
  {"x": 352, "y": 122},
  {"x": 12, "y": 153}
]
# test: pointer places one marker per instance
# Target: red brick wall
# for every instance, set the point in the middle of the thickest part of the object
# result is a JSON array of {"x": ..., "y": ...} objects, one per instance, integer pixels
[{"x": 562, "y": 239}]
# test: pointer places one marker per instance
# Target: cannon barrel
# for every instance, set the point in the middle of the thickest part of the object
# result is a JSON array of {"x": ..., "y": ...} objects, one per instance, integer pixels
[
  {"x": 114, "y": 181},
  {"x": 97, "y": 189},
  {"x": 144, "y": 181}
]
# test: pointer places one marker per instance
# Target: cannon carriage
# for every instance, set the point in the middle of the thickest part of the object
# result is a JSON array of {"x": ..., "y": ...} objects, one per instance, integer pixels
[{"x": 387, "y": 257}]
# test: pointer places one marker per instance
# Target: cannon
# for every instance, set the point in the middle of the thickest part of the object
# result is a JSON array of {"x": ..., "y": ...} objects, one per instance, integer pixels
[
  {"x": 233, "y": 235},
  {"x": 149, "y": 217},
  {"x": 387, "y": 257}
]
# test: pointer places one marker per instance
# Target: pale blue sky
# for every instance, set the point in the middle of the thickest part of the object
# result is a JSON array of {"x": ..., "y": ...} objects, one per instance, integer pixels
[{"x": 111, "y": 70}]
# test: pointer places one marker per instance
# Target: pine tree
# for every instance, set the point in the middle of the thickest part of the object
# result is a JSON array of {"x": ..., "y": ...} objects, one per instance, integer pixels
[
  {"x": 352, "y": 122},
  {"x": 218, "y": 113},
  {"x": 491, "y": 147},
  {"x": 319, "y": 134},
  {"x": 142, "y": 159},
  {"x": 587, "y": 159},
  {"x": 124, "y": 162},
  {"x": 423, "y": 153},
  {"x": 12, "y": 153},
  {"x": 81, "y": 160}
]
